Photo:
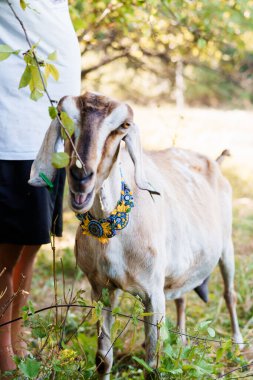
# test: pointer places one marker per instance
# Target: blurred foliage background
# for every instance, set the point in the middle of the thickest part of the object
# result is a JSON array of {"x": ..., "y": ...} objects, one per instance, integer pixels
[{"x": 199, "y": 51}]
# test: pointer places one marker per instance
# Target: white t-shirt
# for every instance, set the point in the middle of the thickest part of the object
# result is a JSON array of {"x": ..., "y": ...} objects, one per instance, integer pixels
[{"x": 23, "y": 122}]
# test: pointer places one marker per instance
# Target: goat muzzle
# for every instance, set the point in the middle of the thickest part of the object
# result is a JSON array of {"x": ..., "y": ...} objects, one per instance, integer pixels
[
  {"x": 81, "y": 187},
  {"x": 79, "y": 175}
]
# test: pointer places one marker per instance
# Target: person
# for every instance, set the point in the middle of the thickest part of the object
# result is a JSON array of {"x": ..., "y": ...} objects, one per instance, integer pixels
[{"x": 27, "y": 213}]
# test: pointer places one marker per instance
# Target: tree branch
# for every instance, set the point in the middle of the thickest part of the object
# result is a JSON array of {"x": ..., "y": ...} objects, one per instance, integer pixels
[{"x": 104, "y": 62}]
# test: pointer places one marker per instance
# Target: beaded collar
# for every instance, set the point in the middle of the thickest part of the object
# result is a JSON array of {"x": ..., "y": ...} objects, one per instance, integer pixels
[{"x": 104, "y": 229}]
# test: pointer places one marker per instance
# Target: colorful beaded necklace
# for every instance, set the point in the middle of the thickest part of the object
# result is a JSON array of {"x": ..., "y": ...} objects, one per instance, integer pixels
[{"x": 104, "y": 229}]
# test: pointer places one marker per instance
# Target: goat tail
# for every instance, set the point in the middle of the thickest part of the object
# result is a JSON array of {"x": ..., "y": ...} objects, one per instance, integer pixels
[{"x": 225, "y": 153}]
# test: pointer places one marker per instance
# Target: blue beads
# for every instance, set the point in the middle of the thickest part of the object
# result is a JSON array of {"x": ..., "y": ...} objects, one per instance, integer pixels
[{"x": 95, "y": 228}]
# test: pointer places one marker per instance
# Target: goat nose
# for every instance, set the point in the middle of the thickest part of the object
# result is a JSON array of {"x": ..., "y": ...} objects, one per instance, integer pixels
[{"x": 79, "y": 175}]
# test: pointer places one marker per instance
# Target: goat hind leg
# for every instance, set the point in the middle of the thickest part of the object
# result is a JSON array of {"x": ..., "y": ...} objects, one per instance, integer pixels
[
  {"x": 180, "y": 306},
  {"x": 227, "y": 267}
]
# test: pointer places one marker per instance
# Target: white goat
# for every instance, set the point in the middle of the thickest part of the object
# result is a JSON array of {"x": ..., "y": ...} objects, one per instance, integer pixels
[{"x": 178, "y": 229}]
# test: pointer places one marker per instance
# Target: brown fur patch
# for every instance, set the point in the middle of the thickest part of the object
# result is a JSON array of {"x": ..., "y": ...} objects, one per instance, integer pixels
[
  {"x": 94, "y": 102},
  {"x": 175, "y": 283}
]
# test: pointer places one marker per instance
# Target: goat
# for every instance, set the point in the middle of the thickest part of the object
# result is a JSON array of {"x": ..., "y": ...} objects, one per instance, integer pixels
[{"x": 176, "y": 233}]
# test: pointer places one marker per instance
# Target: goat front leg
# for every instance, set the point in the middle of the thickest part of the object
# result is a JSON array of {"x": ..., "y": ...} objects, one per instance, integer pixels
[
  {"x": 155, "y": 304},
  {"x": 104, "y": 356},
  {"x": 180, "y": 306},
  {"x": 227, "y": 267}
]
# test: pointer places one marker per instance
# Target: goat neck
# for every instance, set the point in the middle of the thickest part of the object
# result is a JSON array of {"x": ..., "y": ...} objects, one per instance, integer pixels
[{"x": 108, "y": 195}]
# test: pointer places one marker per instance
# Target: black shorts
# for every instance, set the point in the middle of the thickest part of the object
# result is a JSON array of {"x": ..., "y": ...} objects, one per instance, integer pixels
[{"x": 28, "y": 214}]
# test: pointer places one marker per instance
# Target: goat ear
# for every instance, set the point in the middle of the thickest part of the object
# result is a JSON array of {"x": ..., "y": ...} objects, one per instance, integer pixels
[
  {"x": 133, "y": 143},
  {"x": 42, "y": 164}
]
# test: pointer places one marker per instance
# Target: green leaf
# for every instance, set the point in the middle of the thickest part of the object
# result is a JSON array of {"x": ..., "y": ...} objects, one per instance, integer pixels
[
  {"x": 79, "y": 24},
  {"x": 25, "y": 312},
  {"x": 116, "y": 311},
  {"x": 57, "y": 366},
  {"x": 68, "y": 124},
  {"x": 31, "y": 307},
  {"x": 116, "y": 328},
  {"x": 143, "y": 363},
  {"x": 106, "y": 297},
  {"x": 17, "y": 359},
  {"x": 51, "y": 70},
  {"x": 39, "y": 332},
  {"x": 36, "y": 95},
  {"x": 30, "y": 368},
  {"x": 26, "y": 77},
  {"x": 29, "y": 60},
  {"x": 66, "y": 120},
  {"x": 203, "y": 325},
  {"x": 52, "y": 112},
  {"x": 219, "y": 353},
  {"x": 164, "y": 334},
  {"x": 176, "y": 371},
  {"x": 36, "y": 82},
  {"x": 96, "y": 312},
  {"x": 6, "y": 51},
  {"x": 23, "y": 4},
  {"x": 4, "y": 56},
  {"x": 168, "y": 350},
  {"x": 98, "y": 308},
  {"x": 60, "y": 160},
  {"x": 47, "y": 71},
  {"x": 52, "y": 56},
  {"x": 199, "y": 369},
  {"x": 34, "y": 46},
  {"x": 211, "y": 332},
  {"x": 201, "y": 43}
]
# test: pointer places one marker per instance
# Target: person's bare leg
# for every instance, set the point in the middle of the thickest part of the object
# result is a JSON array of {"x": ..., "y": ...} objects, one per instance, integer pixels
[
  {"x": 22, "y": 276},
  {"x": 9, "y": 254}
]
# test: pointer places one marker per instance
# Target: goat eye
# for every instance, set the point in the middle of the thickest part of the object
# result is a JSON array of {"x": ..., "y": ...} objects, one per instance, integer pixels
[{"x": 125, "y": 125}]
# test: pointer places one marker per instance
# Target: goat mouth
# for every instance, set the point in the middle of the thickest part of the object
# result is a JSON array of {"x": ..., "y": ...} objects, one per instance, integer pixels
[{"x": 80, "y": 200}]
